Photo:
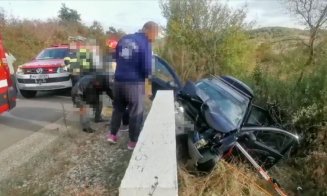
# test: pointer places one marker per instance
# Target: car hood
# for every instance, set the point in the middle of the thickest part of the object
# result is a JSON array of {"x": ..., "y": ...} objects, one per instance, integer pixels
[
  {"x": 44, "y": 63},
  {"x": 214, "y": 117}
]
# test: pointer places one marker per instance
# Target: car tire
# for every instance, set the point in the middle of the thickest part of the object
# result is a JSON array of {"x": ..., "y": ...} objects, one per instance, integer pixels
[
  {"x": 28, "y": 94},
  {"x": 208, "y": 163},
  {"x": 206, "y": 166}
]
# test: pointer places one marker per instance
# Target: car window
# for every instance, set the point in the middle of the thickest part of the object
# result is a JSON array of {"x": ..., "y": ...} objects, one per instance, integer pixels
[
  {"x": 259, "y": 117},
  {"x": 72, "y": 53},
  {"x": 161, "y": 72},
  {"x": 276, "y": 141},
  {"x": 54, "y": 53}
]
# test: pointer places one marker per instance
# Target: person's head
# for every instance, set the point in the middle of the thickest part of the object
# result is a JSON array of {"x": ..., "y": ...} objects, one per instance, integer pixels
[{"x": 151, "y": 30}]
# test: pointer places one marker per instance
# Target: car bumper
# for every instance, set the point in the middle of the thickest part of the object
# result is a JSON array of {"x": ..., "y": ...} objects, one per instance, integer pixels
[
  {"x": 54, "y": 82},
  {"x": 192, "y": 150}
]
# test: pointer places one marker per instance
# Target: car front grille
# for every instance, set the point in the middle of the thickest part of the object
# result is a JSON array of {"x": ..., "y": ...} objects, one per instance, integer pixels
[
  {"x": 48, "y": 80},
  {"x": 44, "y": 70}
]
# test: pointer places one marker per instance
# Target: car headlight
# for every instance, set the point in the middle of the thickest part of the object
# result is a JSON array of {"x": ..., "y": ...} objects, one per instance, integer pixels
[
  {"x": 19, "y": 70},
  {"x": 61, "y": 70}
]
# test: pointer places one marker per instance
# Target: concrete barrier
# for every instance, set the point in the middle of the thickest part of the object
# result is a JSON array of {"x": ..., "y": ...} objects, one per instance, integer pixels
[{"x": 153, "y": 166}]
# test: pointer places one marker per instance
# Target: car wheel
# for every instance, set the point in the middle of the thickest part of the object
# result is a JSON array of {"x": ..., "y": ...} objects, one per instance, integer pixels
[
  {"x": 206, "y": 166},
  {"x": 208, "y": 162},
  {"x": 28, "y": 94}
]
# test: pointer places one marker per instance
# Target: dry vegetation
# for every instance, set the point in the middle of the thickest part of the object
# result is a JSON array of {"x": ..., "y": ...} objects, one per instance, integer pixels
[{"x": 226, "y": 180}]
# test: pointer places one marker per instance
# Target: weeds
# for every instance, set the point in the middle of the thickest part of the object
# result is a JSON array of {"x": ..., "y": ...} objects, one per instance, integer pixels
[{"x": 225, "y": 179}]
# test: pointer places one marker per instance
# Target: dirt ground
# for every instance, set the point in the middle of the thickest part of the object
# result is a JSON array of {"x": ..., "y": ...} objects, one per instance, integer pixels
[{"x": 78, "y": 164}]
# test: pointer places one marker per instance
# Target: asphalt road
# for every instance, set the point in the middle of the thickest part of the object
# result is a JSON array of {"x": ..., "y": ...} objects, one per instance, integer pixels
[{"x": 31, "y": 115}]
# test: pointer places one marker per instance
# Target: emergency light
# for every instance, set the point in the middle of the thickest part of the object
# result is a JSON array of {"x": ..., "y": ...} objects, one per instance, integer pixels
[{"x": 111, "y": 43}]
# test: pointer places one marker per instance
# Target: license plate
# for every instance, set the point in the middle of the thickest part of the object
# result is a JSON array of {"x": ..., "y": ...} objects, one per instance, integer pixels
[{"x": 40, "y": 76}]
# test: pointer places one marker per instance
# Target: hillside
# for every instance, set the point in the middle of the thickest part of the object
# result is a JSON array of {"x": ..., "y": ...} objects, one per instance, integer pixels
[{"x": 277, "y": 32}]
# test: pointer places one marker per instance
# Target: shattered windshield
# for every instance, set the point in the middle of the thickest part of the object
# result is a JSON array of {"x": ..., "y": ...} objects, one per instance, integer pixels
[
  {"x": 232, "y": 107},
  {"x": 57, "y": 53}
]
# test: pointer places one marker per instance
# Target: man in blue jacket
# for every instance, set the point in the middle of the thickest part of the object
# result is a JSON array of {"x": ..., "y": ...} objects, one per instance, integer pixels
[{"x": 134, "y": 62}]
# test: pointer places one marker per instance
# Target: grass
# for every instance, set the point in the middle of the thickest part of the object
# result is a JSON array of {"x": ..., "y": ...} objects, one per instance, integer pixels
[{"x": 225, "y": 180}]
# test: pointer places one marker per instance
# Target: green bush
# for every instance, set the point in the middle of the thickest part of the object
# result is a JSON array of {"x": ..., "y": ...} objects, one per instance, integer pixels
[{"x": 206, "y": 38}]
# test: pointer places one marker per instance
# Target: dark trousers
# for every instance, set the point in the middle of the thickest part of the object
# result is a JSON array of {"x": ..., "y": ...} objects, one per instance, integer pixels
[
  {"x": 85, "y": 117},
  {"x": 97, "y": 107},
  {"x": 126, "y": 117},
  {"x": 131, "y": 96},
  {"x": 75, "y": 79}
]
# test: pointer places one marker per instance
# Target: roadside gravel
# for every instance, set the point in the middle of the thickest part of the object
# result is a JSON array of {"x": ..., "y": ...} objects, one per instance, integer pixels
[
  {"x": 97, "y": 169},
  {"x": 78, "y": 164}
]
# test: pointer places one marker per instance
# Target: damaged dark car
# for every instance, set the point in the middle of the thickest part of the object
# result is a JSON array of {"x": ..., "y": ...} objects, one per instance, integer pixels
[{"x": 225, "y": 120}]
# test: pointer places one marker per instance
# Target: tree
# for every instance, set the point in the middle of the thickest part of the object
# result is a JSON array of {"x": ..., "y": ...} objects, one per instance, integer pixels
[
  {"x": 201, "y": 38},
  {"x": 96, "y": 27},
  {"x": 2, "y": 17},
  {"x": 112, "y": 30},
  {"x": 68, "y": 15},
  {"x": 313, "y": 14},
  {"x": 115, "y": 33}
]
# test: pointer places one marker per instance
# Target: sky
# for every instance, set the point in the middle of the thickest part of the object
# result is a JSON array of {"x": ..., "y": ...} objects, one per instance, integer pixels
[{"x": 130, "y": 15}]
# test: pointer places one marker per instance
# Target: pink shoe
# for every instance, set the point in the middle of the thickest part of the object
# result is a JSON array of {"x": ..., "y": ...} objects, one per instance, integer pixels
[
  {"x": 112, "y": 138},
  {"x": 131, "y": 145}
]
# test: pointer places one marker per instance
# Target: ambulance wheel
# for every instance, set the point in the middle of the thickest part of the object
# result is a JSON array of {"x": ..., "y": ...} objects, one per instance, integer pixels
[{"x": 28, "y": 94}]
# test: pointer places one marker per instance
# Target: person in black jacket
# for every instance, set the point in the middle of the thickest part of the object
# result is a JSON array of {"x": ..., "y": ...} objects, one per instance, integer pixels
[{"x": 87, "y": 91}]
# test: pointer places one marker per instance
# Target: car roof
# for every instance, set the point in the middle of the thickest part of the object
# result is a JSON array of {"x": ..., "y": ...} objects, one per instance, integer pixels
[
  {"x": 237, "y": 85},
  {"x": 231, "y": 85},
  {"x": 220, "y": 85},
  {"x": 64, "y": 46}
]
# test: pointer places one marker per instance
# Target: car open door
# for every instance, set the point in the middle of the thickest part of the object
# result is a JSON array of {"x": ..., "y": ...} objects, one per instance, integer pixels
[
  {"x": 164, "y": 76},
  {"x": 267, "y": 145}
]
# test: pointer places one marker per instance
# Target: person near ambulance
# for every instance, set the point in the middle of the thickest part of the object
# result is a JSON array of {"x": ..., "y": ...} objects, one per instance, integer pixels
[
  {"x": 81, "y": 64},
  {"x": 80, "y": 58},
  {"x": 111, "y": 59},
  {"x": 134, "y": 64},
  {"x": 86, "y": 93}
]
